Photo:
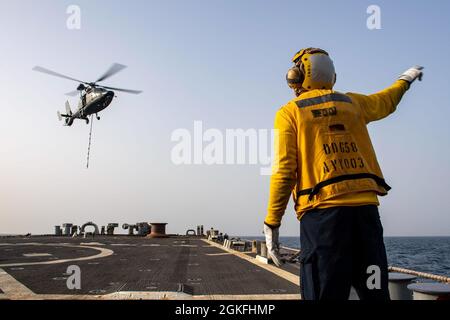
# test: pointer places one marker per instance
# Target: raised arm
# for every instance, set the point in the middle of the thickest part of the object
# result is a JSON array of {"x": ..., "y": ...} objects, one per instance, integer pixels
[{"x": 379, "y": 105}]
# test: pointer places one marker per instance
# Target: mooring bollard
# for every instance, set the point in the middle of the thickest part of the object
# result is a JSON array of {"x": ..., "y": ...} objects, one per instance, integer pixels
[
  {"x": 430, "y": 291},
  {"x": 239, "y": 245},
  {"x": 258, "y": 248},
  {"x": 398, "y": 285},
  {"x": 261, "y": 255},
  {"x": 58, "y": 231},
  {"x": 158, "y": 230},
  {"x": 254, "y": 246},
  {"x": 67, "y": 229},
  {"x": 263, "y": 249}
]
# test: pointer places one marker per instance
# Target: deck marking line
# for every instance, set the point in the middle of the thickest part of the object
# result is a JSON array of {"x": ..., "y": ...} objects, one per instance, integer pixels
[
  {"x": 31, "y": 255},
  {"x": 91, "y": 244},
  {"x": 185, "y": 245},
  {"x": 166, "y": 295},
  {"x": 277, "y": 271},
  {"x": 12, "y": 288},
  {"x": 103, "y": 253},
  {"x": 124, "y": 244}
]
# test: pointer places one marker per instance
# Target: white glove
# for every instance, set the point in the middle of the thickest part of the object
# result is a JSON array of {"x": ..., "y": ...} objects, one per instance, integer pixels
[
  {"x": 273, "y": 244},
  {"x": 412, "y": 74}
]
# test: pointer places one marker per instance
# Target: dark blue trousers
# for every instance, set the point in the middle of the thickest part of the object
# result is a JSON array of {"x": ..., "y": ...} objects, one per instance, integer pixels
[{"x": 338, "y": 245}]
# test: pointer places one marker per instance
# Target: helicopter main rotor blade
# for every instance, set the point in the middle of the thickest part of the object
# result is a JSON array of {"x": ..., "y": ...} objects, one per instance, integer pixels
[
  {"x": 56, "y": 74},
  {"x": 115, "y": 68},
  {"x": 122, "y": 90},
  {"x": 72, "y": 93}
]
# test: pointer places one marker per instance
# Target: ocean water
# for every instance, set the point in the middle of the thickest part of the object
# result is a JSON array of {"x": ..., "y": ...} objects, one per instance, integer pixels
[{"x": 425, "y": 254}]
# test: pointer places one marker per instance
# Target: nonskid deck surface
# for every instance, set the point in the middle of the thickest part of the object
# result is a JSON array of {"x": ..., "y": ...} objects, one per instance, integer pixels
[{"x": 114, "y": 264}]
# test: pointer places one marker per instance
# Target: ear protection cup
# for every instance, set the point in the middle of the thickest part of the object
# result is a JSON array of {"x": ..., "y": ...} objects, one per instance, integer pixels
[{"x": 295, "y": 78}]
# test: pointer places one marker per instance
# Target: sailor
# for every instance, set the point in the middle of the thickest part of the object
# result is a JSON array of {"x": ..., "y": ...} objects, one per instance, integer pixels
[{"x": 325, "y": 158}]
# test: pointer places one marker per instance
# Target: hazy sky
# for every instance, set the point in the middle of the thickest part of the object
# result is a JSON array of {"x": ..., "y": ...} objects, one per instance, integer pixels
[{"x": 223, "y": 63}]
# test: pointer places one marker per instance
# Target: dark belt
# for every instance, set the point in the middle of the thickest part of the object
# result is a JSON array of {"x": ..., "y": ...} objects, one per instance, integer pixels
[{"x": 315, "y": 190}]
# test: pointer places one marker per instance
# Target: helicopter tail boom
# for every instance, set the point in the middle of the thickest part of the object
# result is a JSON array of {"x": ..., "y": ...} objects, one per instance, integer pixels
[
  {"x": 68, "y": 110},
  {"x": 68, "y": 120}
]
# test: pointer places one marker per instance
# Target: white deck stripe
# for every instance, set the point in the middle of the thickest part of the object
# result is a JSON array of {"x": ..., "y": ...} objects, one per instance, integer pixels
[
  {"x": 277, "y": 271},
  {"x": 103, "y": 253},
  {"x": 169, "y": 295},
  {"x": 185, "y": 245},
  {"x": 32, "y": 255},
  {"x": 12, "y": 288},
  {"x": 249, "y": 297}
]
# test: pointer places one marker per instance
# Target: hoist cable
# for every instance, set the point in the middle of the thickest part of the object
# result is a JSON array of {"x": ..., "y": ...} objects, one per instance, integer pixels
[{"x": 89, "y": 145}]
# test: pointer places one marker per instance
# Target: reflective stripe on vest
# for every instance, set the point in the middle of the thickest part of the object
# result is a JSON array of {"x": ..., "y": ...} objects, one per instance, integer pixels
[
  {"x": 333, "y": 97},
  {"x": 316, "y": 189}
]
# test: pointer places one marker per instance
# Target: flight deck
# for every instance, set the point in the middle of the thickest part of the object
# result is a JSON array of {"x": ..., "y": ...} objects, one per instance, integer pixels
[{"x": 129, "y": 267}]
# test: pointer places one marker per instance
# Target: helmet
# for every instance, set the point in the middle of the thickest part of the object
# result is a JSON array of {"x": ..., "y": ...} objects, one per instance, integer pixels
[{"x": 313, "y": 70}]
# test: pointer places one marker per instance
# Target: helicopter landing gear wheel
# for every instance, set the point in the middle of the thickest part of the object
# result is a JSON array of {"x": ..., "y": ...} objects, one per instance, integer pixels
[
  {"x": 96, "y": 115},
  {"x": 87, "y": 121}
]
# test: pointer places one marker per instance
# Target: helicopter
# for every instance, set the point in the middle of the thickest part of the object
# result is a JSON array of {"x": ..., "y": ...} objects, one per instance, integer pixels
[{"x": 93, "y": 97}]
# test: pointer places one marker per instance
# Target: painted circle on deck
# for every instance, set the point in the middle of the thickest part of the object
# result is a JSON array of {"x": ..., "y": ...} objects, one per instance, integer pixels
[{"x": 103, "y": 252}]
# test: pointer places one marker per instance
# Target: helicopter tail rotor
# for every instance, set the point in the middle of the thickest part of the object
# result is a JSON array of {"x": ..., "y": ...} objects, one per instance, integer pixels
[{"x": 67, "y": 117}]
